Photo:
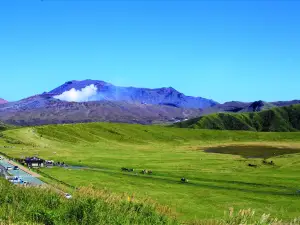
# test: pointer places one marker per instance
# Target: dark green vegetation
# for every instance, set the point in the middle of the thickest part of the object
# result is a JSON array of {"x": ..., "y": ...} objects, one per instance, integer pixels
[
  {"x": 216, "y": 181},
  {"x": 3, "y": 126},
  {"x": 253, "y": 151},
  {"x": 38, "y": 206},
  {"x": 278, "y": 119}
]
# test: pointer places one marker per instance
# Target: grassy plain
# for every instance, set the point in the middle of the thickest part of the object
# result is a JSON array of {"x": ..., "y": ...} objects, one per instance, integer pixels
[{"x": 216, "y": 181}]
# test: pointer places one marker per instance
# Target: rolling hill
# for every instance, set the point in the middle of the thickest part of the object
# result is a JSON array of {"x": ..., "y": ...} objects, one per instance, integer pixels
[
  {"x": 240, "y": 107},
  {"x": 276, "y": 119}
]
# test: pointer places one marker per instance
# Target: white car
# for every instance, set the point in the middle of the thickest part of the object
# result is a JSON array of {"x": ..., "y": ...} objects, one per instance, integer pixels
[
  {"x": 9, "y": 168},
  {"x": 68, "y": 196}
]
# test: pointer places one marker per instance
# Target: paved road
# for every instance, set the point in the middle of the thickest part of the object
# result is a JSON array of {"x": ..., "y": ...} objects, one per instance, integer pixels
[{"x": 21, "y": 173}]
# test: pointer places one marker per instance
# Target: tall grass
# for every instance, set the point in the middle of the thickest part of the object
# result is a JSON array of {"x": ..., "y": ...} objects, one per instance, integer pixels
[
  {"x": 246, "y": 217},
  {"x": 42, "y": 206}
]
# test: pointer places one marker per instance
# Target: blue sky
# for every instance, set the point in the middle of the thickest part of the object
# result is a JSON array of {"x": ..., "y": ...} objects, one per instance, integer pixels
[{"x": 222, "y": 50}]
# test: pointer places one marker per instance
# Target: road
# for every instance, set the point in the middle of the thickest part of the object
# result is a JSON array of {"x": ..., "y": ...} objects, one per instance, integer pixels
[{"x": 25, "y": 174}]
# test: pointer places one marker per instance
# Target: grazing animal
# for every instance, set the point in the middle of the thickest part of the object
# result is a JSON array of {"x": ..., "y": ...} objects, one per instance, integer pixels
[
  {"x": 184, "y": 180},
  {"x": 146, "y": 172},
  {"x": 268, "y": 163},
  {"x": 126, "y": 169},
  {"x": 252, "y": 165}
]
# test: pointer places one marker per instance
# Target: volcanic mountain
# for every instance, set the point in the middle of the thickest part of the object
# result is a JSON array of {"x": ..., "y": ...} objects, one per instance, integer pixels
[
  {"x": 94, "y": 90},
  {"x": 91, "y": 101}
]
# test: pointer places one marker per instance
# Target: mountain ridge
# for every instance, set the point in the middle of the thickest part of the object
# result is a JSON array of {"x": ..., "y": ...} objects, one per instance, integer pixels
[
  {"x": 3, "y": 101},
  {"x": 154, "y": 96},
  {"x": 118, "y": 104},
  {"x": 276, "y": 119}
]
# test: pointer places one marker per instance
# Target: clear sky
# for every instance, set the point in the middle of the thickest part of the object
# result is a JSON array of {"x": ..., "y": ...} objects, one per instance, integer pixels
[{"x": 222, "y": 50}]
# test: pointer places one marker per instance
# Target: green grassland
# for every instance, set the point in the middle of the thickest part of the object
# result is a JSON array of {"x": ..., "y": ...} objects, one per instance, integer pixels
[
  {"x": 44, "y": 206},
  {"x": 280, "y": 119},
  {"x": 216, "y": 181}
]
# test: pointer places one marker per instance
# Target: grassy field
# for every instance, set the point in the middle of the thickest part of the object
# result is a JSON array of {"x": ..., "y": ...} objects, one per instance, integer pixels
[
  {"x": 38, "y": 206},
  {"x": 216, "y": 181}
]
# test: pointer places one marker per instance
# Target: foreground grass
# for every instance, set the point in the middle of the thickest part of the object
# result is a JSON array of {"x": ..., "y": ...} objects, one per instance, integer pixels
[
  {"x": 37, "y": 206},
  {"x": 89, "y": 206},
  {"x": 217, "y": 181}
]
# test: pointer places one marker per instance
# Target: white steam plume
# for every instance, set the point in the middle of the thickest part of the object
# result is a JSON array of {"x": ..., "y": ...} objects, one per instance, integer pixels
[{"x": 83, "y": 95}]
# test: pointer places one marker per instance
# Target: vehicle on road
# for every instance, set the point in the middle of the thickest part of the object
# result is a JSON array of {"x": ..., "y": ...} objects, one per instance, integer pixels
[
  {"x": 9, "y": 168},
  {"x": 17, "y": 180},
  {"x": 16, "y": 168}
]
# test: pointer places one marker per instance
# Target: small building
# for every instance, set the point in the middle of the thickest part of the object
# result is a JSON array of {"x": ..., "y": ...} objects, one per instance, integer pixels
[{"x": 34, "y": 162}]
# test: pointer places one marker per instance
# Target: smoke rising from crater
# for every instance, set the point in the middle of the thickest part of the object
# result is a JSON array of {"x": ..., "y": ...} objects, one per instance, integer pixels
[{"x": 85, "y": 94}]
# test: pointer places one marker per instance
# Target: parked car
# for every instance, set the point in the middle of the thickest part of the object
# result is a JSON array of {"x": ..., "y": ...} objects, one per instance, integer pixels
[
  {"x": 68, "y": 196},
  {"x": 17, "y": 180},
  {"x": 9, "y": 168}
]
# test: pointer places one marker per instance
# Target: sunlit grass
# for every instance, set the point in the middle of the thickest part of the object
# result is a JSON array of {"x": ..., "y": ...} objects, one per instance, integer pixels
[{"x": 216, "y": 181}]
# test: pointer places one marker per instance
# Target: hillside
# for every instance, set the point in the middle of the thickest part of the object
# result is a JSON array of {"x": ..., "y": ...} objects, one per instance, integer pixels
[
  {"x": 277, "y": 119},
  {"x": 3, "y": 126},
  {"x": 43, "y": 109},
  {"x": 239, "y": 107}
]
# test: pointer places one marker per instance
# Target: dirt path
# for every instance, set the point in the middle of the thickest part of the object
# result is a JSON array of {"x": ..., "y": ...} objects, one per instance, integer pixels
[{"x": 24, "y": 169}]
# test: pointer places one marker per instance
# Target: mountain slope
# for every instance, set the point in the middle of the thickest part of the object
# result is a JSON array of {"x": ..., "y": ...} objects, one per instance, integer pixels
[
  {"x": 105, "y": 91},
  {"x": 274, "y": 119},
  {"x": 3, "y": 126},
  {"x": 238, "y": 107},
  {"x": 2, "y": 101},
  {"x": 43, "y": 109}
]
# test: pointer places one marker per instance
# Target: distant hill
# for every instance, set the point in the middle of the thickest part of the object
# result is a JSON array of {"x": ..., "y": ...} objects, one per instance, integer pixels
[
  {"x": 279, "y": 119},
  {"x": 2, "y": 101},
  {"x": 238, "y": 107}
]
